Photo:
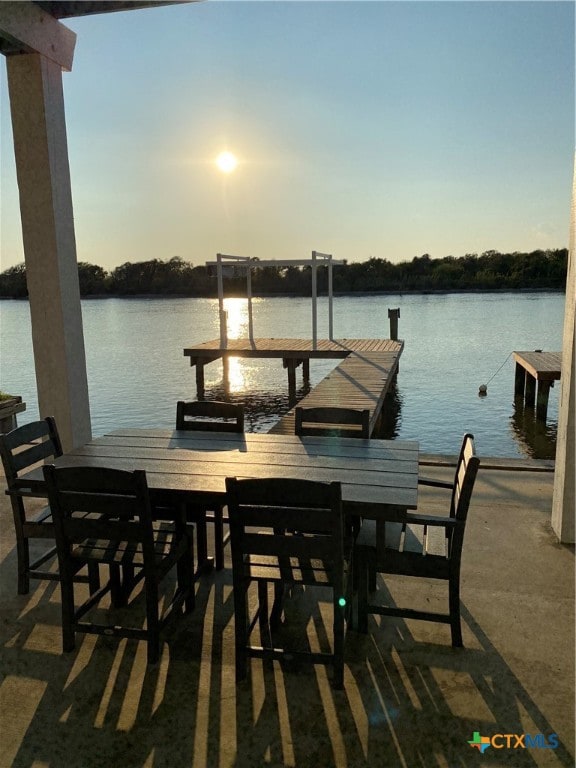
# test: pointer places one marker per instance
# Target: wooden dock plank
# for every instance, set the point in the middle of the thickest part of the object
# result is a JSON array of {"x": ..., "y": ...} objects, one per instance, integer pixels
[
  {"x": 541, "y": 365},
  {"x": 289, "y": 348}
]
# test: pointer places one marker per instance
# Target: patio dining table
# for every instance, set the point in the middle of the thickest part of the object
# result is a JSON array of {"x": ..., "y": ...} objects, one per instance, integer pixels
[{"x": 377, "y": 476}]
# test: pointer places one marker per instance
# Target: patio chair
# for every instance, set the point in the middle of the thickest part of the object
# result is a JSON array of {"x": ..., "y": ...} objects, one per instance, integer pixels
[
  {"x": 420, "y": 545},
  {"x": 342, "y": 422},
  {"x": 21, "y": 449},
  {"x": 214, "y": 416},
  {"x": 104, "y": 516},
  {"x": 209, "y": 415},
  {"x": 263, "y": 551}
]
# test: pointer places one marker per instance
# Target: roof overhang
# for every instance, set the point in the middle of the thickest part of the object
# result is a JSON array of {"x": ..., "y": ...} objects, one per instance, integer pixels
[
  {"x": 65, "y": 10},
  {"x": 34, "y": 27}
]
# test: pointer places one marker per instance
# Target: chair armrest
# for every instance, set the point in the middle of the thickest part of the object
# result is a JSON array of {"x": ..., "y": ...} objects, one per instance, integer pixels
[
  {"x": 434, "y": 483},
  {"x": 24, "y": 491},
  {"x": 446, "y": 522}
]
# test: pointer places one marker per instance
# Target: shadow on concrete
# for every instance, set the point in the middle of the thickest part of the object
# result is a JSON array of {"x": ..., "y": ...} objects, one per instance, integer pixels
[{"x": 409, "y": 699}]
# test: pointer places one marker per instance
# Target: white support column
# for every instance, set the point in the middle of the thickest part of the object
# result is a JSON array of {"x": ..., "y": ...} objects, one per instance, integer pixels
[
  {"x": 39, "y": 126},
  {"x": 564, "y": 500},
  {"x": 314, "y": 300}
]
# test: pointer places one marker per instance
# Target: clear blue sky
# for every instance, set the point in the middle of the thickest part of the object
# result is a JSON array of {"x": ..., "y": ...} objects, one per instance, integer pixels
[{"x": 387, "y": 129}]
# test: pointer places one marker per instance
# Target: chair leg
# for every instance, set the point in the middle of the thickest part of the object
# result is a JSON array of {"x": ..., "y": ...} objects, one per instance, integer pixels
[
  {"x": 454, "y": 604},
  {"x": 202, "y": 543},
  {"x": 241, "y": 629},
  {"x": 128, "y": 578},
  {"x": 263, "y": 618},
  {"x": 185, "y": 573},
  {"x": 372, "y": 577},
  {"x": 219, "y": 537},
  {"x": 93, "y": 577},
  {"x": 67, "y": 598},
  {"x": 23, "y": 554},
  {"x": 277, "y": 605},
  {"x": 338, "y": 680},
  {"x": 22, "y": 546},
  {"x": 363, "y": 568},
  {"x": 152, "y": 621},
  {"x": 116, "y": 593}
]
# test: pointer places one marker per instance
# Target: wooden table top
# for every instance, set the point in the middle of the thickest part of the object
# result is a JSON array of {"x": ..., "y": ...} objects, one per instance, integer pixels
[{"x": 378, "y": 473}]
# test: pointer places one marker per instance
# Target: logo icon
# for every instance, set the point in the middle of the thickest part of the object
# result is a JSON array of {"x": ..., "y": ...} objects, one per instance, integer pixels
[{"x": 481, "y": 743}]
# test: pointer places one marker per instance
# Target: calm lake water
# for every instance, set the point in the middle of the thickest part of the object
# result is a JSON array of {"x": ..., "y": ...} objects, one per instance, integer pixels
[{"x": 453, "y": 344}]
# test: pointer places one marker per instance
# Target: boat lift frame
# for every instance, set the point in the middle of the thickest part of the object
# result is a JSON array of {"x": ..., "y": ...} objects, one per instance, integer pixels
[{"x": 249, "y": 263}]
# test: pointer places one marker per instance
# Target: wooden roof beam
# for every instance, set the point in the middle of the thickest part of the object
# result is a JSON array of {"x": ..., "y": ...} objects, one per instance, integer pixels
[
  {"x": 26, "y": 28},
  {"x": 62, "y": 9}
]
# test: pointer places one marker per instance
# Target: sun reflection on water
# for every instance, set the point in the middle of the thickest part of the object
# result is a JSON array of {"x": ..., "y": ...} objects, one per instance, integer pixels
[
  {"x": 237, "y": 317},
  {"x": 237, "y": 328},
  {"x": 237, "y": 380}
]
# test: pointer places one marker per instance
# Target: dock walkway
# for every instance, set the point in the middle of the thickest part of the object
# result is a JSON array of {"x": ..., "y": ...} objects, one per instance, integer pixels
[{"x": 361, "y": 380}]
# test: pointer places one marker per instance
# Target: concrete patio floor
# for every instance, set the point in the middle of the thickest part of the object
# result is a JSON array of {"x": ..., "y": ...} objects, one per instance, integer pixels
[{"x": 409, "y": 700}]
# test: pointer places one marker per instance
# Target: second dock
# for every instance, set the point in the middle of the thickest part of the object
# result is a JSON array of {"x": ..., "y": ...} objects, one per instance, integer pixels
[{"x": 536, "y": 369}]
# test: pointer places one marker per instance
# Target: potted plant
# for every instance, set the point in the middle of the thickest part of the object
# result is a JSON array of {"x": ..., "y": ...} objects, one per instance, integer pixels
[{"x": 10, "y": 405}]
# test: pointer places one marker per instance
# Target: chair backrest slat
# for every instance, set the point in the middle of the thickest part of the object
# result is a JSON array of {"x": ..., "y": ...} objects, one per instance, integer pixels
[
  {"x": 29, "y": 456},
  {"x": 464, "y": 479},
  {"x": 274, "y": 505},
  {"x": 89, "y": 502},
  {"x": 466, "y": 466},
  {"x": 27, "y": 445},
  {"x": 194, "y": 415},
  {"x": 344, "y": 422},
  {"x": 117, "y": 505},
  {"x": 78, "y": 529},
  {"x": 306, "y": 494},
  {"x": 300, "y": 547},
  {"x": 295, "y": 518}
]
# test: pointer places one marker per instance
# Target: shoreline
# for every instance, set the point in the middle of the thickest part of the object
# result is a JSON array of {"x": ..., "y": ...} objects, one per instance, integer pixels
[{"x": 430, "y": 292}]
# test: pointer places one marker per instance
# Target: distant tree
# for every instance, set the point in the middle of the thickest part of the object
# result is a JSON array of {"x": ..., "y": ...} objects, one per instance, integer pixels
[
  {"x": 491, "y": 270},
  {"x": 421, "y": 265},
  {"x": 93, "y": 279},
  {"x": 449, "y": 272},
  {"x": 557, "y": 267},
  {"x": 13, "y": 282},
  {"x": 130, "y": 279},
  {"x": 267, "y": 279},
  {"x": 294, "y": 280}
]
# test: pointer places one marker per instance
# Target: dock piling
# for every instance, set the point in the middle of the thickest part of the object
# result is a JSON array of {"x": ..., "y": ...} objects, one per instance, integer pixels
[
  {"x": 519, "y": 380},
  {"x": 199, "y": 380},
  {"x": 393, "y": 315}
]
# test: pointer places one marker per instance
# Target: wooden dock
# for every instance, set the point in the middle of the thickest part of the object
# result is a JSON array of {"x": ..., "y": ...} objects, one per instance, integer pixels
[
  {"x": 535, "y": 374},
  {"x": 362, "y": 379}
]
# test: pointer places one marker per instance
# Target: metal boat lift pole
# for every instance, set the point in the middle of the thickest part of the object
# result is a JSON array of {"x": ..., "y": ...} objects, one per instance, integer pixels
[
  {"x": 221, "y": 312},
  {"x": 249, "y": 297},
  {"x": 314, "y": 299},
  {"x": 330, "y": 296}
]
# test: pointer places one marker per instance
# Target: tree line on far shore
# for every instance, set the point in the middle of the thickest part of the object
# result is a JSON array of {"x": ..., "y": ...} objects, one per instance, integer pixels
[{"x": 491, "y": 270}]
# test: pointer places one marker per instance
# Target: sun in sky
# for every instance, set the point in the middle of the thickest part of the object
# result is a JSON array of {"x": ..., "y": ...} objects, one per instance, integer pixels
[{"x": 226, "y": 162}]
